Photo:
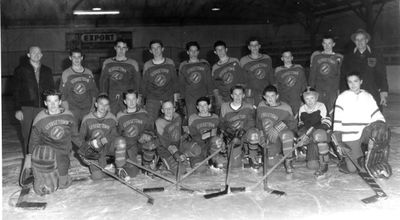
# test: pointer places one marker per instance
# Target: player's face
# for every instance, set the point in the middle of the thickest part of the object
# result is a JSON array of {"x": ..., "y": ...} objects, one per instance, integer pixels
[
  {"x": 271, "y": 98},
  {"x": 35, "y": 54},
  {"x": 203, "y": 107},
  {"x": 53, "y": 103},
  {"x": 76, "y": 58},
  {"x": 361, "y": 41},
  {"x": 237, "y": 96},
  {"x": 156, "y": 49},
  {"x": 328, "y": 44},
  {"x": 354, "y": 83},
  {"x": 131, "y": 101},
  {"x": 102, "y": 106},
  {"x": 310, "y": 100},
  {"x": 287, "y": 58},
  {"x": 254, "y": 46},
  {"x": 121, "y": 48},
  {"x": 168, "y": 109},
  {"x": 193, "y": 52},
  {"x": 221, "y": 51}
]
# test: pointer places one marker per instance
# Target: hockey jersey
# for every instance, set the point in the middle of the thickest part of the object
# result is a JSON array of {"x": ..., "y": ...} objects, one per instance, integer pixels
[
  {"x": 132, "y": 125},
  {"x": 269, "y": 116},
  {"x": 94, "y": 127},
  {"x": 169, "y": 131},
  {"x": 200, "y": 126},
  {"x": 160, "y": 81},
  {"x": 325, "y": 71},
  {"x": 233, "y": 120},
  {"x": 227, "y": 75},
  {"x": 78, "y": 89},
  {"x": 353, "y": 112}
]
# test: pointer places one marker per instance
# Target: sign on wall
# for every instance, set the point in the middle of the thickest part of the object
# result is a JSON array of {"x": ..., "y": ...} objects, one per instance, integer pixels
[{"x": 96, "y": 40}]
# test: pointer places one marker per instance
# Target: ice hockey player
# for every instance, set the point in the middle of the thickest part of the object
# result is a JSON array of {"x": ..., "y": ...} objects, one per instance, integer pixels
[
  {"x": 291, "y": 81},
  {"x": 119, "y": 74},
  {"x": 78, "y": 87},
  {"x": 160, "y": 81},
  {"x": 194, "y": 78},
  {"x": 259, "y": 70},
  {"x": 135, "y": 126},
  {"x": 53, "y": 131},
  {"x": 360, "y": 131},
  {"x": 237, "y": 117},
  {"x": 325, "y": 73},
  {"x": 275, "y": 119},
  {"x": 203, "y": 126},
  {"x": 226, "y": 73},
  {"x": 99, "y": 129},
  {"x": 313, "y": 114},
  {"x": 172, "y": 150}
]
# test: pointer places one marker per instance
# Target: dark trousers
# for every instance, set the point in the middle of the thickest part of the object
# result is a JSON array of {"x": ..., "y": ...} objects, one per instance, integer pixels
[{"x": 26, "y": 125}]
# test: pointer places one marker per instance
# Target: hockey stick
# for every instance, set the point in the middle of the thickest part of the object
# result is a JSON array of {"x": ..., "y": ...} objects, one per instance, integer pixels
[
  {"x": 183, "y": 187},
  {"x": 21, "y": 203},
  {"x": 150, "y": 200},
  {"x": 265, "y": 168}
]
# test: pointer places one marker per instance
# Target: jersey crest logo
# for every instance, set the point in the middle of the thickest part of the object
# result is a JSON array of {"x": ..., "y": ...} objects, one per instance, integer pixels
[
  {"x": 325, "y": 69},
  {"x": 371, "y": 61},
  {"x": 227, "y": 78},
  {"x": 290, "y": 80},
  {"x": 260, "y": 73},
  {"x": 160, "y": 80},
  {"x": 132, "y": 131},
  {"x": 237, "y": 124},
  {"x": 117, "y": 76},
  {"x": 195, "y": 77},
  {"x": 79, "y": 88},
  {"x": 57, "y": 133},
  {"x": 98, "y": 133},
  {"x": 175, "y": 135}
]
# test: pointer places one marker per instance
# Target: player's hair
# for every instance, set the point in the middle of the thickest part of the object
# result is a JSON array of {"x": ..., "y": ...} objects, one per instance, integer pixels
[
  {"x": 354, "y": 73},
  {"x": 251, "y": 39},
  {"x": 309, "y": 91},
  {"x": 75, "y": 50},
  {"x": 51, "y": 92},
  {"x": 328, "y": 36},
  {"x": 219, "y": 43},
  {"x": 156, "y": 42},
  {"x": 31, "y": 47},
  {"x": 192, "y": 43},
  {"x": 203, "y": 99},
  {"x": 163, "y": 102},
  {"x": 237, "y": 87},
  {"x": 130, "y": 91},
  {"x": 121, "y": 40},
  {"x": 270, "y": 88},
  {"x": 287, "y": 50},
  {"x": 102, "y": 95}
]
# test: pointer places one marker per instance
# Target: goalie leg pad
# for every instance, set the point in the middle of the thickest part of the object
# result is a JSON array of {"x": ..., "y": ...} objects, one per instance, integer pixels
[
  {"x": 312, "y": 157},
  {"x": 286, "y": 137},
  {"x": 377, "y": 161},
  {"x": 45, "y": 172}
]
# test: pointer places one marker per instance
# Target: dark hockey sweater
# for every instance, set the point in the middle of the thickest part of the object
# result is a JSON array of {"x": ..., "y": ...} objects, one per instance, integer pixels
[
  {"x": 94, "y": 127},
  {"x": 260, "y": 72},
  {"x": 268, "y": 116},
  {"x": 131, "y": 125}
]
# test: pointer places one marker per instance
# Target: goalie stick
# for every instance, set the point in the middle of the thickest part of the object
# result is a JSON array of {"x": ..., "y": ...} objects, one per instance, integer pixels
[
  {"x": 21, "y": 203},
  {"x": 150, "y": 200}
]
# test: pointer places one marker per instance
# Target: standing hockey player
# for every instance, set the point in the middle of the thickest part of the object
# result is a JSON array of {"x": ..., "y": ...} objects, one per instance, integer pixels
[
  {"x": 194, "y": 78},
  {"x": 132, "y": 123},
  {"x": 160, "y": 81},
  {"x": 275, "y": 119},
  {"x": 237, "y": 117},
  {"x": 99, "y": 129},
  {"x": 119, "y": 74},
  {"x": 53, "y": 131},
  {"x": 291, "y": 81},
  {"x": 31, "y": 78},
  {"x": 369, "y": 64},
  {"x": 325, "y": 73},
  {"x": 360, "y": 131},
  {"x": 314, "y": 114},
  {"x": 226, "y": 73},
  {"x": 203, "y": 126},
  {"x": 78, "y": 87},
  {"x": 259, "y": 70}
]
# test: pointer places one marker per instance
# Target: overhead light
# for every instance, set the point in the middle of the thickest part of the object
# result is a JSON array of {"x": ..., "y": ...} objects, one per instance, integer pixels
[
  {"x": 95, "y": 12},
  {"x": 215, "y": 8},
  {"x": 96, "y": 9}
]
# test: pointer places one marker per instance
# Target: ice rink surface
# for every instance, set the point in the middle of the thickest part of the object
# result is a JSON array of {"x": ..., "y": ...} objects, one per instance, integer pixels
[{"x": 336, "y": 196}]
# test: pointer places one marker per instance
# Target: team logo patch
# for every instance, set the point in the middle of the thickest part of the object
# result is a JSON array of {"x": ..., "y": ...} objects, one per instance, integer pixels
[
  {"x": 175, "y": 135},
  {"x": 267, "y": 125},
  {"x": 117, "y": 76},
  {"x": 195, "y": 77},
  {"x": 57, "y": 132},
  {"x": 325, "y": 69},
  {"x": 227, "y": 78},
  {"x": 289, "y": 81},
  {"x": 98, "y": 133},
  {"x": 237, "y": 124},
  {"x": 132, "y": 131},
  {"x": 160, "y": 80},
  {"x": 260, "y": 73},
  {"x": 371, "y": 61},
  {"x": 79, "y": 88}
]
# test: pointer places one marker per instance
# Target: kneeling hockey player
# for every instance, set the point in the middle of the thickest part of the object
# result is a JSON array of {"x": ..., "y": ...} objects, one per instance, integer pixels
[{"x": 360, "y": 131}]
